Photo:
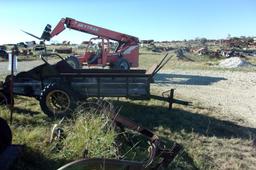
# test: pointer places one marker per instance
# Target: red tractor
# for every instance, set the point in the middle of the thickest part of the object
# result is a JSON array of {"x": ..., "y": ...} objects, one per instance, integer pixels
[{"x": 102, "y": 53}]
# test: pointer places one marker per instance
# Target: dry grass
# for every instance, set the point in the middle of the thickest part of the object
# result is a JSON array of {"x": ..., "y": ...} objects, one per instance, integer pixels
[
  {"x": 147, "y": 58},
  {"x": 211, "y": 139}
]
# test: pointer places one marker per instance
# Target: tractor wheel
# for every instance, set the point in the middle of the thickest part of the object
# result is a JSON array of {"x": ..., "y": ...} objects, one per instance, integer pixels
[
  {"x": 73, "y": 62},
  {"x": 57, "y": 101},
  {"x": 5, "y": 135},
  {"x": 122, "y": 64}
]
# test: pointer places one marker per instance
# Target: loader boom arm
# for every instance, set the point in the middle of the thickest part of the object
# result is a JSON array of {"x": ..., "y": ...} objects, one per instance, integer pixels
[{"x": 94, "y": 30}]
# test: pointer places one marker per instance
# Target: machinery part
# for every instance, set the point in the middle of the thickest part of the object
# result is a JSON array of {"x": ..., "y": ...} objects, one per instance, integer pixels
[
  {"x": 159, "y": 156},
  {"x": 93, "y": 58},
  {"x": 56, "y": 101},
  {"x": 5, "y": 135},
  {"x": 3, "y": 54},
  {"x": 57, "y": 132},
  {"x": 122, "y": 64},
  {"x": 128, "y": 45},
  {"x": 159, "y": 66},
  {"x": 99, "y": 164},
  {"x": 156, "y": 150},
  {"x": 73, "y": 62},
  {"x": 168, "y": 96},
  {"x": 3, "y": 99}
]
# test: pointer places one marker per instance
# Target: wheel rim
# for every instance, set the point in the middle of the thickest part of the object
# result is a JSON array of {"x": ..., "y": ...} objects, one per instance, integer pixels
[
  {"x": 124, "y": 66},
  {"x": 58, "y": 101}
]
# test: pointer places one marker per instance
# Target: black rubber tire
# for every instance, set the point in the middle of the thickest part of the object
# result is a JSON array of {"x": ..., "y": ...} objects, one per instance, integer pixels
[
  {"x": 3, "y": 54},
  {"x": 5, "y": 135},
  {"x": 122, "y": 64},
  {"x": 51, "y": 97},
  {"x": 73, "y": 62}
]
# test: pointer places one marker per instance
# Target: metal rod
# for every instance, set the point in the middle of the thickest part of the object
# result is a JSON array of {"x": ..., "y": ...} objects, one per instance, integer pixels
[
  {"x": 171, "y": 98},
  {"x": 163, "y": 62},
  {"x": 160, "y": 63},
  {"x": 160, "y": 67},
  {"x": 11, "y": 88}
]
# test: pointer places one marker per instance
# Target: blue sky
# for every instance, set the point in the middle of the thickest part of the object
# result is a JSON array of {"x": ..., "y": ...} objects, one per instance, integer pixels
[{"x": 146, "y": 19}]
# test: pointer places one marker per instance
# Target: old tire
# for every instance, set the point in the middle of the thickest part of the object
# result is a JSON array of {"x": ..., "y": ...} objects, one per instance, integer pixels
[
  {"x": 122, "y": 64},
  {"x": 5, "y": 135},
  {"x": 73, "y": 62},
  {"x": 57, "y": 101}
]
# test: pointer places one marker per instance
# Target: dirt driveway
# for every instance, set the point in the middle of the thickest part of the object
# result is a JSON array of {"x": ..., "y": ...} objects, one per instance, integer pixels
[
  {"x": 22, "y": 66},
  {"x": 230, "y": 92}
]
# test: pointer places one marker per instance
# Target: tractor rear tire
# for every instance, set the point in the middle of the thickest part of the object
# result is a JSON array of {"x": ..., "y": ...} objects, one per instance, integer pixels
[
  {"x": 73, "y": 62},
  {"x": 57, "y": 101},
  {"x": 122, "y": 64},
  {"x": 5, "y": 135}
]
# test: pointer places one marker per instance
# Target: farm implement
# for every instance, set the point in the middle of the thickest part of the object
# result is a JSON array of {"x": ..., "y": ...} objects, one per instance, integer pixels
[
  {"x": 159, "y": 155},
  {"x": 60, "y": 88}
]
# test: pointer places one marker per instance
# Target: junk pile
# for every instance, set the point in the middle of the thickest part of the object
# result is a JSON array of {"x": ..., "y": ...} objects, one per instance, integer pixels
[
  {"x": 234, "y": 62},
  {"x": 180, "y": 54},
  {"x": 63, "y": 50}
]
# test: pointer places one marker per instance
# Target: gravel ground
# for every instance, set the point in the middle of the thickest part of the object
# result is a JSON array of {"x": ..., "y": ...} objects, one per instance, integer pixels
[
  {"x": 230, "y": 92},
  {"x": 22, "y": 66}
]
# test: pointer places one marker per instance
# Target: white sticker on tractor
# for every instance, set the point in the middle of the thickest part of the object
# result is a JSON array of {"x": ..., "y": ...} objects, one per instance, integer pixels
[{"x": 14, "y": 63}]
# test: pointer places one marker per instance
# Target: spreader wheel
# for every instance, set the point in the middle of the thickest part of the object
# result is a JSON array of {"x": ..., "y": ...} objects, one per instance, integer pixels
[{"x": 56, "y": 101}]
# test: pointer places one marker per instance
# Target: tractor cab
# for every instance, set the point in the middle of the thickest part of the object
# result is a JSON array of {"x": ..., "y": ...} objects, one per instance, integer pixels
[{"x": 99, "y": 51}]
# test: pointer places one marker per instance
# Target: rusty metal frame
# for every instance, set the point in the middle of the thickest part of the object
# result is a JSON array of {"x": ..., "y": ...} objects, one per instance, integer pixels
[{"x": 159, "y": 157}]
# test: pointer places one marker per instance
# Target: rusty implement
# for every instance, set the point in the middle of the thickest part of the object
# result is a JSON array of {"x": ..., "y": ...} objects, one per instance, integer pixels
[
  {"x": 48, "y": 81},
  {"x": 159, "y": 157}
]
